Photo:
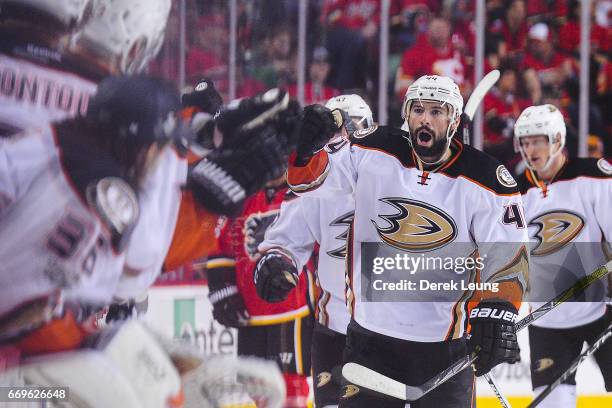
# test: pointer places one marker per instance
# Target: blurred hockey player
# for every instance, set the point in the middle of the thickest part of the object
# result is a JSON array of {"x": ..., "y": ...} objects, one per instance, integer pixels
[
  {"x": 303, "y": 223},
  {"x": 416, "y": 191},
  {"x": 54, "y": 53},
  {"x": 567, "y": 207},
  {"x": 70, "y": 198}
]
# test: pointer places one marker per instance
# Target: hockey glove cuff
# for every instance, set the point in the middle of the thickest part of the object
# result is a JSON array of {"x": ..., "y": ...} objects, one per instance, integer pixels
[{"x": 317, "y": 128}]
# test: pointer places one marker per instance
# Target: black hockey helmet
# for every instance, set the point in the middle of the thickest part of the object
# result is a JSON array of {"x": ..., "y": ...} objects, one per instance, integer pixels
[{"x": 134, "y": 112}]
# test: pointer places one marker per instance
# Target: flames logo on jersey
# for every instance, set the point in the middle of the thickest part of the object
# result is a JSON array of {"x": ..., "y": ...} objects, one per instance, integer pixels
[
  {"x": 555, "y": 230},
  {"x": 342, "y": 221},
  {"x": 417, "y": 227},
  {"x": 255, "y": 227}
]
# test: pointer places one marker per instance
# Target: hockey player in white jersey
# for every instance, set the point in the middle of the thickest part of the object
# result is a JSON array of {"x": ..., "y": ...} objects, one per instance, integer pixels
[
  {"x": 567, "y": 207},
  {"x": 70, "y": 199},
  {"x": 54, "y": 52},
  {"x": 421, "y": 194},
  {"x": 302, "y": 223}
]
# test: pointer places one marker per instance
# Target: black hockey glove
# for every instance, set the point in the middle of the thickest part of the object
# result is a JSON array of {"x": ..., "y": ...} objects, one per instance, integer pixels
[
  {"x": 275, "y": 276},
  {"x": 255, "y": 150},
  {"x": 204, "y": 97},
  {"x": 493, "y": 336},
  {"x": 318, "y": 126},
  {"x": 228, "y": 305}
]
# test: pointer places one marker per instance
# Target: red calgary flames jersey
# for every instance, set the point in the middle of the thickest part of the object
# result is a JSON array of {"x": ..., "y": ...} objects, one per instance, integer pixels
[{"x": 238, "y": 243}]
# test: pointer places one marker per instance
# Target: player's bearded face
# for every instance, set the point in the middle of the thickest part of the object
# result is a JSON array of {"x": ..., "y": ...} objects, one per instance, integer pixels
[{"x": 428, "y": 123}]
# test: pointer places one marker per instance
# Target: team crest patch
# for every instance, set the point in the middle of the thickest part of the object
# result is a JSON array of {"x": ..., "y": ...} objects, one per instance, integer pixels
[
  {"x": 323, "y": 379},
  {"x": 504, "y": 176},
  {"x": 416, "y": 226},
  {"x": 604, "y": 166},
  {"x": 555, "y": 230},
  {"x": 358, "y": 134},
  {"x": 350, "y": 390}
]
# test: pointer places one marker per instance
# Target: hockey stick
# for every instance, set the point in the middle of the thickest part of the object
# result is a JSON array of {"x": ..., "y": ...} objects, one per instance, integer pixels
[
  {"x": 368, "y": 378},
  {"x": 478, "y": 94},
  {"x": 573, "y": 367},
  {"x": 503, "y": 401}
]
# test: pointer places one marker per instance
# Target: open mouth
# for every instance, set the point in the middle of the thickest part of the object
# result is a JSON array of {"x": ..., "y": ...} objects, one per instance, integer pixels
[{"x": 424, "y": 138}]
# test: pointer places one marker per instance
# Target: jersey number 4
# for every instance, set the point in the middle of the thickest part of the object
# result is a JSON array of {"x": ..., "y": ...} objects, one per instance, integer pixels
[{"x": 513, "y": 214}]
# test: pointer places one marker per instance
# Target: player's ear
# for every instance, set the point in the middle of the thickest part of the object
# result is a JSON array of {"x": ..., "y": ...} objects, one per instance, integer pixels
[{"x": 455, "y": 123}]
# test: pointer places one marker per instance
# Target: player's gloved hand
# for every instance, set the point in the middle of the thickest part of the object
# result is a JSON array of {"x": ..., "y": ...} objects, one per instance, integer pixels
[
  {"x": 228, "y": 305},
  {"x": 120, "y": 311},
  {"x": 493, "y": 335},
  {"x": 318, "y": 126},
  {"x": 204, "y": 97},
  {"x": 254, "y": 151},
  {"x": 275, "y": 276}
]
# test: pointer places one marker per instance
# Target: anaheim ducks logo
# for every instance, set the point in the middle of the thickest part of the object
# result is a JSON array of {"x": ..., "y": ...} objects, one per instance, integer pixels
[
  {"x": 417, "y": 227},
  {"x": 342, "y": 221},
  {"x": 323, "y": 379},
  {"x": 543, "y": 363},
  {"x": 350, "y": 390},
  {"x": 555, "y": 230}
]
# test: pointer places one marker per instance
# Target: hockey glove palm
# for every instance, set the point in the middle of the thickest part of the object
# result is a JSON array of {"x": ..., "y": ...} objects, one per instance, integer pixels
[
  {"x": 275, "y": 276},
  {"x": 317, "y": 128},
  {"x": 228, "y": 305},
  {"x": 493, "y": 335}
]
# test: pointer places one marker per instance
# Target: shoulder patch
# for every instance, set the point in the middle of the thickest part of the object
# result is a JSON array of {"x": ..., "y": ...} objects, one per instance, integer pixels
[
  {"x": 504, "y": 177},
  {"x": 604, "y": 166},
  {"x": 116, "y": 203},
  {"x": 359, "y": 134}
]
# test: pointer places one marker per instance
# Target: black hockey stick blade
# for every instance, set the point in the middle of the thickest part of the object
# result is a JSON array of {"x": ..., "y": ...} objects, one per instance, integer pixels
[
  {"x": 368, "y": 378},
  {"x": 601, "y": 339}
]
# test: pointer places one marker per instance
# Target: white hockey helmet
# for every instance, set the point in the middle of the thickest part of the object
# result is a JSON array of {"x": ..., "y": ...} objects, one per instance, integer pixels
[
  {"x": 434, "y": 88},
  {"x": 70, "y": 14},
  {"x": 129, "y": 31},
  {"x": 438, "y": 89},
  {"x": 542, "y": 120},
  {"x": 355, "y": 106}
]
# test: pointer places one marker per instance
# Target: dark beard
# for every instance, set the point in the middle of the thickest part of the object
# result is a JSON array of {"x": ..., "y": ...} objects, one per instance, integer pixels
[{"x": 430, "y": 154}]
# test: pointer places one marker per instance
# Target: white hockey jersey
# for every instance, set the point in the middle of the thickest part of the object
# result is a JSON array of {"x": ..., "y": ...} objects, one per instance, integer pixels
[
  {"x": 32, "y": 95},
  {"x": 568, "y": 221},
  {"x": 160, "y": 199},
  {"x": 303, "y": 222},
  {"x": 469, "y": 208},
  {"x": 51, "y": 238}
]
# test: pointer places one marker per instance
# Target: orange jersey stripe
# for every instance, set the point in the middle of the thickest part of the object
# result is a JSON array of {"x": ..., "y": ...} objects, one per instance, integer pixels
[
  {"x": 302, "y": 178},
  {"x": 194, "y": 235}
]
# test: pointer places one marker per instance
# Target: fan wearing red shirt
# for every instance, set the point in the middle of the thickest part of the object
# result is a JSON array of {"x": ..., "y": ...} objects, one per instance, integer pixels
[
  {"x": 543, "y": 65},
  {"x": 433, "y": 53},
  {"x": 513, "y": 28}
]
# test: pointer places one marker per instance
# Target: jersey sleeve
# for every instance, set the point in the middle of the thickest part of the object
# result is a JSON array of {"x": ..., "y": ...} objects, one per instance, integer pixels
[
  {"x": 330, "y": 172},
  {"x": 500, "y": 232},
  {"x": 8, "y": 185},
  {"x": 291, "y": 232}
]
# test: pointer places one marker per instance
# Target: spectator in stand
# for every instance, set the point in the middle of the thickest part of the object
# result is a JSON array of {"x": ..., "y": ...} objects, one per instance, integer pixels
[
  {"x": 502, "y": 106},
  {"x": 595, "y": 147},
  {"x": 315, "y": 90},
  {"x": 543, "y": 65},
  {"x": 351, "y": 40},
  {"x": 274, "y": 62},
  {"x": 513, "y": 28},
  {"x": 432, "y": 54},
  {"x": 569, "y": 34},
  {"x": 552, "y": 11}
]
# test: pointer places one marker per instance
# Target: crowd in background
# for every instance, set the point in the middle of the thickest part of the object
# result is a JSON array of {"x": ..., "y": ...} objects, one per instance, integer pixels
[{"x": 535, "y": 45}]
